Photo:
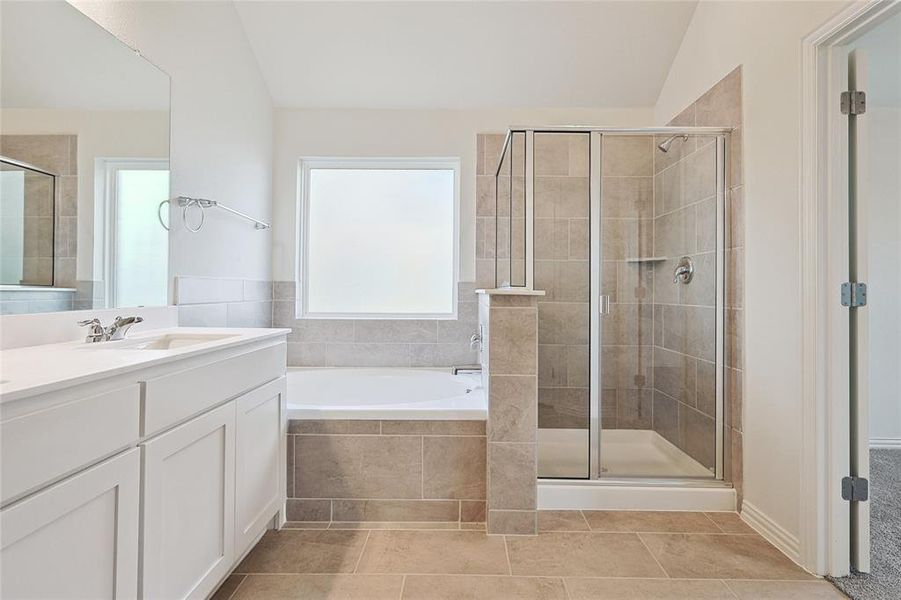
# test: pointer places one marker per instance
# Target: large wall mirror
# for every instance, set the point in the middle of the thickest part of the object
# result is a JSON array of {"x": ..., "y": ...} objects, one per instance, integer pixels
[{"x": 84, "y": 165}]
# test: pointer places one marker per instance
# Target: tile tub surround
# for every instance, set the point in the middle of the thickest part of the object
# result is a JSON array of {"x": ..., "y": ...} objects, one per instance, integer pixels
[
  {"x": 577, "y": 556},
  {"x": 510, "y": 366},
  {"x": 57, "y": 154},
  {"x": 377, "y": 342},
  {"x": 221, "y": 302},
  {"x": 355, "y": 472}
]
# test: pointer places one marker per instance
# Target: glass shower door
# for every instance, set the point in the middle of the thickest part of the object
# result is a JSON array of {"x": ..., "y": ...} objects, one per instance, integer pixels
[{"x": 660, "y": 294}]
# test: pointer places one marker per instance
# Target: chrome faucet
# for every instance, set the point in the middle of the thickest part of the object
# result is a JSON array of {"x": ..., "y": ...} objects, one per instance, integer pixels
[
  {"x": 120, "y": 327},
  {"x": 685, "y": 270},
  {"x": 116, "y": 331}
]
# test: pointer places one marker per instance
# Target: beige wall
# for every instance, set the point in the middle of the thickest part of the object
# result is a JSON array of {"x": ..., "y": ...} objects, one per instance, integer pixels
[
  {"x": 764, "y": 38},
  {"x": 403, "y": 133}
]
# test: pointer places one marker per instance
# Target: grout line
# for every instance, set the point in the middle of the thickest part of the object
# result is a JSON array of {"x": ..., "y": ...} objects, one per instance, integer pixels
[
  {"x": 237, "y": 587},
  {"x": 729, "y": 587},
  {"x": 362, "y": 550},
  {"x": 403, "y": 584},
  {"x": 638, "y": 535},
  {"x": 715, "y": 524},
  {"x": 584, "y": 518},
  {"x": 506, "y": 553}
]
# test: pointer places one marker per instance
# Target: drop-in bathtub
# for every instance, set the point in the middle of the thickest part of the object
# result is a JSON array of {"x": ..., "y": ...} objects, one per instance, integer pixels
[{"x": 385, "y": 393}]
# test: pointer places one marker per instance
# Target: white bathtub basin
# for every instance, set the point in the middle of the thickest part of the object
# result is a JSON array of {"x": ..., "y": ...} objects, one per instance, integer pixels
[{"x": 403, "y": 394}]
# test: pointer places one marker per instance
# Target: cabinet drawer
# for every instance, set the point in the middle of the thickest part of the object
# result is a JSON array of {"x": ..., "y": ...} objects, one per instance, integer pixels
[
  {"x": 175, "y": 397},
  {"x": 47, "y": 444}
]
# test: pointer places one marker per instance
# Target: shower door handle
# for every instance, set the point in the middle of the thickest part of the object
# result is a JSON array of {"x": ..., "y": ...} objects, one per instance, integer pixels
[{"x": 604, "y": 304}]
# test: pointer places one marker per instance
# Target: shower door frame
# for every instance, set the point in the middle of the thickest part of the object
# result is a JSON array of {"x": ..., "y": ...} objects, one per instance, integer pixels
[{"x": 595, "y": 186}]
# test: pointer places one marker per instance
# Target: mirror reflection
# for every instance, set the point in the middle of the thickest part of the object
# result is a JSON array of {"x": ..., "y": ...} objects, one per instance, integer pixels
[{"x": 84, "y": 165}]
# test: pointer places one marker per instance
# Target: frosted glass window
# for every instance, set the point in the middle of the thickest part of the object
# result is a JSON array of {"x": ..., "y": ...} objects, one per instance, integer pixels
[
  {"x": 141, "y": 257},
  {"x": 380, "y": 241}
]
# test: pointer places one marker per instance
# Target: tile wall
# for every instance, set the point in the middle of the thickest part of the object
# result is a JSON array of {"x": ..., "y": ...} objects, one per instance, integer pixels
[
  {"x": 378, "y": 342},
  {"x": 218, "y": 302},
  {"x": 56, "y": 154},
  {"x": 377, "y": 471}
]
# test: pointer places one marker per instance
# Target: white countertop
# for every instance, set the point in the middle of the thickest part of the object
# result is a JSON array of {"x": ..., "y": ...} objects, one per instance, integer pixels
[{"x": 40, "y": 369}]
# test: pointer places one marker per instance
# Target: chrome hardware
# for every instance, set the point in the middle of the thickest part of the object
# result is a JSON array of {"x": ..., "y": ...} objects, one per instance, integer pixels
[
  {"x": 97, "y": 333},
  {"x": 475, "y": 341},
  {"x": 685, "y": 270},
  {"x": 464, "y": 369},
  {"x": 854, "y": 295},
  {"x": 604, "y": 304},
  {"x": 120, "y": 327},
  {"x": 853, "y": 103},
  {"x": 116, "y": 331}
]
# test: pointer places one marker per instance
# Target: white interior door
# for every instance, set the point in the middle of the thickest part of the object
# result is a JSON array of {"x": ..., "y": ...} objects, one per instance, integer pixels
[{"x": 858, "y": 219}]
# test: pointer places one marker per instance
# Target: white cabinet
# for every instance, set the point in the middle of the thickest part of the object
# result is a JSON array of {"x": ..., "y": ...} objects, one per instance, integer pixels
[
  {"x": 77, "y": 538},
  {"x": 189, "y": 507},
  {"x": 260, "y": 452}
]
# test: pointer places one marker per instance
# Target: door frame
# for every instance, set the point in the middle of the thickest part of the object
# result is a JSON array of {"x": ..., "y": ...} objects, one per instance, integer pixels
[{"x": 825, "y": 439}]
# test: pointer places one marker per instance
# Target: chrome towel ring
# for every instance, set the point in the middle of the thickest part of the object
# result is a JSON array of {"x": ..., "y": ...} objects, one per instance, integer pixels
[{"x": 202, "y": 203}]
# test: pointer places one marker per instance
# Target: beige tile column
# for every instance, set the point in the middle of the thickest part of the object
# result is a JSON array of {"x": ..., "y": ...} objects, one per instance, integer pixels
[{"x": 509, "y": 325}]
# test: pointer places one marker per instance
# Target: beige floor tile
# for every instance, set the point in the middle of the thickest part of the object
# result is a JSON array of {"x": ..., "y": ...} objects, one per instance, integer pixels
[
  {"x": 646, "y": 589},
  {"x": 305, "y": 551},
  {"x": 561, "y": 520},
  {"x": 641, "y": 521},
  {"x": 394, "y": 525},
  {"x": 481, "y": 587},
  {"x": 228, "y": 587},
  {"x": 473, "y": 526},
  {"x": 720, "y": 557},
  {"x": 434, "y": 552},
  {"x": 784, "y": 590},
  {"x": 582, "y": 555},
  {"x": 730, "y": 522},
  {"x": 320, "y": 587}
]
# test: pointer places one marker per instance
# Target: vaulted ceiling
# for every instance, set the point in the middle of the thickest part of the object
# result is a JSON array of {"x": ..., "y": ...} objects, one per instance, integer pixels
[{"x": 464, "y": 54}]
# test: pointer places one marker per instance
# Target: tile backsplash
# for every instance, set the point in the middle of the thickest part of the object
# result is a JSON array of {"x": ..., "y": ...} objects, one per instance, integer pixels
[
  {"x": 377, "y": 342},
  {"x": 222, "y": 302}
]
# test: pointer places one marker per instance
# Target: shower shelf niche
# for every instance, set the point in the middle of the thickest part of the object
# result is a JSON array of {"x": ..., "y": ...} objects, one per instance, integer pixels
[{"x": 646, "y": 259}]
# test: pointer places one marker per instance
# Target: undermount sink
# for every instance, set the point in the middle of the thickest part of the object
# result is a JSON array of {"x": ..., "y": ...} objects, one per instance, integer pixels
[{"x": 171, "y": 341}]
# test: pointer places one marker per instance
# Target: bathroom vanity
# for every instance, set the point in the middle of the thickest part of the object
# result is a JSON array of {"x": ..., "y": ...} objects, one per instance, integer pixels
[{"x": 141, "y": 468}]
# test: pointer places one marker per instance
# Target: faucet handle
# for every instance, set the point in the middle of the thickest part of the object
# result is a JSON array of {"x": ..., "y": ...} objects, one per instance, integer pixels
[{"x": 97, "y": 332}]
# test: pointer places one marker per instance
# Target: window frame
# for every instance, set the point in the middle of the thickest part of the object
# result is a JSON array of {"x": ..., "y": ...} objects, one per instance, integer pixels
[
  {"x": 106, "y": 172},
  {"x": 306, "y": 164}
]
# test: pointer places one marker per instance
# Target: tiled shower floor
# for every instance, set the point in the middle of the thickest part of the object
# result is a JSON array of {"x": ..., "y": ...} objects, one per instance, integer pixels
[
  {"x": 624, "y": 452},
  {"x": 577, "y": 555}
]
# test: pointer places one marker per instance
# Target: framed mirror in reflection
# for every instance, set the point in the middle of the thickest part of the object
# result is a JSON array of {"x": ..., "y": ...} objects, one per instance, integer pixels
[{"x": 84, "y": 165}]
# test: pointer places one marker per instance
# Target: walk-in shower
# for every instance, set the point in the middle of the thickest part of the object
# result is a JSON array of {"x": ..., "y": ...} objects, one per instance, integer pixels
[{"x": 623, "y": 230}]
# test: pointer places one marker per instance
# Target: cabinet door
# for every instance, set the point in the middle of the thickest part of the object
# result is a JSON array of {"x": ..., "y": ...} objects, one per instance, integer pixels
[
  {"x": 75, "y": 539},
  {"x": 189, "y": 507},
  {"x": 260, "y": 456}
]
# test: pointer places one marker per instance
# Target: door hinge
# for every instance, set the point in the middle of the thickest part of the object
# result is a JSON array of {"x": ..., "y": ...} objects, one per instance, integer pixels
[
  {"x": 855, "y": 489},
  {"x": 854, "y": 294},
  {"x": 854, "y": 103}
]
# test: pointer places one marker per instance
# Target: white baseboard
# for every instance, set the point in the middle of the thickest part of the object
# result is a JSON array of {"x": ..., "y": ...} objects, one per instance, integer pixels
[
  {"x": 771, "y": 531},
  {"x": 885, "y": 442}
]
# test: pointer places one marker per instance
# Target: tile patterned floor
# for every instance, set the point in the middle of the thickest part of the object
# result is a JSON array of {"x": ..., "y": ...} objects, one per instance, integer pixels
[{"x": 578, "y": 555}]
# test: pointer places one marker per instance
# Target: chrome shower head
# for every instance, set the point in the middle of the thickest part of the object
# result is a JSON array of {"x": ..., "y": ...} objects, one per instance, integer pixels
[{"x": 664, "y": 146}]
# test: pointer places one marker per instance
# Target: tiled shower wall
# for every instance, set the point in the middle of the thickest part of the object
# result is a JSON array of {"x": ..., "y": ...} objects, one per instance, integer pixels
[
  {"x": 562, "y": 271},
  {"x": 682, "y": 355},
  {"x": 627, "y": 337},
  {"x": 57, "y": 154}
]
